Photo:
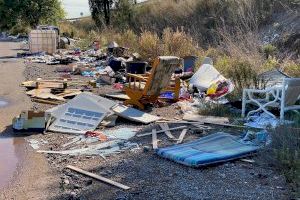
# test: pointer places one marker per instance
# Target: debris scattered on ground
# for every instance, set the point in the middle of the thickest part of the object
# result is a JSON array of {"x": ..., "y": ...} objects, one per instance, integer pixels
[
  {"x": 29, "y": 121},
  {"x": 134, "y": 114}
]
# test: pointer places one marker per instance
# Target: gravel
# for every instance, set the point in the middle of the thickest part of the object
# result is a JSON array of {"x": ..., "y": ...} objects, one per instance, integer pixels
[{"x": 148, "y": 175}]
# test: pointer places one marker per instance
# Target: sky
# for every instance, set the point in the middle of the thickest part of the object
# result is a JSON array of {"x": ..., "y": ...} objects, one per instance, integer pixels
[{"x": 73, "y": 8}]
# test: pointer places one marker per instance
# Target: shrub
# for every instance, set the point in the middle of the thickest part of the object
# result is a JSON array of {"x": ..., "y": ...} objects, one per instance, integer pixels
[
  {"x": 283, "y": 154},
  {"x": 243, "y": 75},
  {"x": 269, "y": 50},
  {"x": 178, "y": 43},
  {"x": 292, "y": 68},
  {"x": 149, "y": 45},
  {"x": 271, "y": 63}
]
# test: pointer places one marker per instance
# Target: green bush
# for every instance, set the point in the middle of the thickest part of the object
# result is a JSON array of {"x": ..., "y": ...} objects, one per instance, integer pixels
[
  {"x": 269, "y": 50},
  {"x": 283, "y": 154}
]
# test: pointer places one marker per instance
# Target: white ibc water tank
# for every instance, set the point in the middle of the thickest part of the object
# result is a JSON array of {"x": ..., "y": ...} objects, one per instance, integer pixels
[{"x": 43, "y": 41}]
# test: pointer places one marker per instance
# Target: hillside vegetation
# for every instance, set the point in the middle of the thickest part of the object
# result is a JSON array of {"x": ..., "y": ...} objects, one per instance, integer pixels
[{"x": 232, "y": 32}]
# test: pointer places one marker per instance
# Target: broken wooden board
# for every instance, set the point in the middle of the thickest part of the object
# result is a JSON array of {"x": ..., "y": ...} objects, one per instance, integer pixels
[
  {"x": 206, "y": 119},
  {"x": 119, "y": 96},
  {"x": 165, "y": 127},
  {"x": 44, "y": 94},
  {"x": 50, "y": 84},
  {"x": 154, "y": 139},
  {"x": 29, "y": 84},
  {"x": 134, "y": 114},
  {"x": 162, "y": 131},
  {"x": 69, "y": 93},
  {"x": 181, "y": 137},
  {"x": 45, "y": 101},
  {"x": 97, "y": 177}
]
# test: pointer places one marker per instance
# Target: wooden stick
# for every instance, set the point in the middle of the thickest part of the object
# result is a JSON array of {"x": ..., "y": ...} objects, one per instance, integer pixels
[
  {"x": 100, "y": 178},
  {"x": 171, "y": 129},
  {"x": 179, "y": 122},
  {"x": 154, "y": 139},
  {"x": 180, "y": 139},
  {"x": 166, "y": 128},
  {"x": 46, "y": 101}
]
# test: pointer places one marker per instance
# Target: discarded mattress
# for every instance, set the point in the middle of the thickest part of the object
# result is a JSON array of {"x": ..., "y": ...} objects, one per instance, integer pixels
[
  {"x": 215, "y": 148},
  {"x": 81, "y": 114}
]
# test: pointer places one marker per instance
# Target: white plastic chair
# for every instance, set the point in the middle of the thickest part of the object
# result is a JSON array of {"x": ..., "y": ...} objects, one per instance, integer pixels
[{"x": 283, "y": 97}]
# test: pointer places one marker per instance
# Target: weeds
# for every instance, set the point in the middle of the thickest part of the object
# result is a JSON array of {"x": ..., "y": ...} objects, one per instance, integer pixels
[
  {"x": 283, "y": 154},
  {"x": 212, "y": 109}
]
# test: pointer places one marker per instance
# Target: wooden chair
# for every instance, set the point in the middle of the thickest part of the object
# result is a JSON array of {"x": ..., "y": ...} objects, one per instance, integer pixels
[{"x": 146, "y": 88}]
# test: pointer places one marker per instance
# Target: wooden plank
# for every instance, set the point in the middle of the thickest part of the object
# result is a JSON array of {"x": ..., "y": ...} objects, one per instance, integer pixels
[
  {"x": 179, "y": 122},
  {"x": 97, "y": 177},
  {"x": 205, "y": 119},
  {"x": 134, "y": 114},
  {"x": 166, "y": 128},
  {"x": 171, "y": 129},
  {"x": 154, "y": 139},
  {"x": 46, "y": 101},
  {"x": 247, "y": 160},
  {"x": 220, "y": 121},
  {"x": 181, "y": 137}
]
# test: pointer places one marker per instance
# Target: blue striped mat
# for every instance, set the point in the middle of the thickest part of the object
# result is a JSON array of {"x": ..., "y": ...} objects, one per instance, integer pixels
[{"x": 214, "y": 148}]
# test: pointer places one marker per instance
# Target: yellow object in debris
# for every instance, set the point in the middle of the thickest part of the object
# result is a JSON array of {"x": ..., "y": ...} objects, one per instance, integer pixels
[{"x": 212, "y": 89}]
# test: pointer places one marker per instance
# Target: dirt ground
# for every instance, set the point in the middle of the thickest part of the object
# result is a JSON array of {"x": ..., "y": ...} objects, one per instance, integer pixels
[
  {"x": 32, "y": 178},
  {"x": 149, "y": 176}
]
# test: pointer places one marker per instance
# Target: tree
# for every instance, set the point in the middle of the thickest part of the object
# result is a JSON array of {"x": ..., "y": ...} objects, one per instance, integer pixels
[
  {"x": 100, "y": 8},
  {"x": 123, "y": 13},
  {"x": 29, "y": 12}
]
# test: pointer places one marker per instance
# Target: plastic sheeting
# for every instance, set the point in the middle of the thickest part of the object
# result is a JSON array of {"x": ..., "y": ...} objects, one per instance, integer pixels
[{"x": 205, "y": 76}]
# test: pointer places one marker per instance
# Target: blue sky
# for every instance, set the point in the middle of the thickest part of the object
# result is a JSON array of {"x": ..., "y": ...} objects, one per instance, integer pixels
[{"x": 75, "y": 7}]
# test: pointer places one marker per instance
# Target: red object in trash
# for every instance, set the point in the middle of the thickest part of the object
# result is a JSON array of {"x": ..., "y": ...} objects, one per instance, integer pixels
[
  {"x": 96, "y": 45},
  {"x": 99, "y": 135},
  {"x": 118, "y": 86}
]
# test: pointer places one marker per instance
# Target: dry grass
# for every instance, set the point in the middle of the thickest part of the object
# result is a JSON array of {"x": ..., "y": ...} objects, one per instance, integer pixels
[{"x": 283, "y": 154}]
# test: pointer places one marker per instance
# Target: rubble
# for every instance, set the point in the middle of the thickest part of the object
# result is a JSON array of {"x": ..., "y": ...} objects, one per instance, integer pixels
[{"x": 96, "y": 126}]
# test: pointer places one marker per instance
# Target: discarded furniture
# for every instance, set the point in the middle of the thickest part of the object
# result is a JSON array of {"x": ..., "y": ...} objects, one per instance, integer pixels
[
  {"x": 135, "y": 67},
  {"x": 189, "y": 63},
  {"x": 272, "y": 78},
  {"x": 283, "y": 97},
  {"x": 215, "y": 148},
  {"x": 81, "y": 114},
  {"x": 29, "y": 120},
  {"x": 146, "y": 88}
]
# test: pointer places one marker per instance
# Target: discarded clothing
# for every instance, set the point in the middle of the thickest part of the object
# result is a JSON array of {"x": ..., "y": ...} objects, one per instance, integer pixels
[
  {"x": 263, "y": 121},
  {"x": 216, "y": 148}
]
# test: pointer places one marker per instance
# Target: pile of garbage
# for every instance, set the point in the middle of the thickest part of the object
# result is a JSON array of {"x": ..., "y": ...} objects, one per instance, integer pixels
[{"x": 91, "y": 120}]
